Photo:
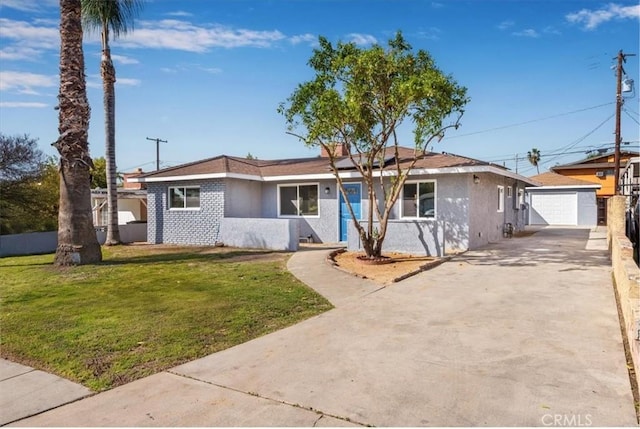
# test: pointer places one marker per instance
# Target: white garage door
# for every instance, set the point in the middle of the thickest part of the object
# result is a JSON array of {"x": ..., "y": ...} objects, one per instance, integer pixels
[{"x": 556, "y": 208}]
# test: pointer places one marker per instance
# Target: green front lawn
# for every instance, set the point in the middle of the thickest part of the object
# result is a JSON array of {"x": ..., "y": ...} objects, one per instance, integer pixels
[{"x": 143, "y": 309}]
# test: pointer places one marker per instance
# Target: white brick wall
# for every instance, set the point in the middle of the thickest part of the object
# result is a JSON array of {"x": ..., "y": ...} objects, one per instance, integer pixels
[{"x": 192, "y": 227}]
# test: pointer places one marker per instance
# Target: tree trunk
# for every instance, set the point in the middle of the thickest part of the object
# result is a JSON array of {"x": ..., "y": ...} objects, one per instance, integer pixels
[
  {"x": 77, "y": 241},
  {"x": 108, "y": 83}
]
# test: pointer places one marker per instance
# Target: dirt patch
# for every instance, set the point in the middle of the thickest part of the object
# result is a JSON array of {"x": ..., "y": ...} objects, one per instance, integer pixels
[{"x": 400, "y": 266}]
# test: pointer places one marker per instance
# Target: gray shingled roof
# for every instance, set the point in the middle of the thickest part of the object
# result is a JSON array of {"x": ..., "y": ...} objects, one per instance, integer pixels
[{"x": 303, "y": 166}]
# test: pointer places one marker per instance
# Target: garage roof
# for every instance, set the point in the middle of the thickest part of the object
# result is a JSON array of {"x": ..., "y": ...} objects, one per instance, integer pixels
[{"x": 555, "y": 180}]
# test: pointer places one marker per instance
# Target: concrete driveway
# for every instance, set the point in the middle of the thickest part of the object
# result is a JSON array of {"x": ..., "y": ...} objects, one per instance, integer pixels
[{"x": 521, "y": 333}]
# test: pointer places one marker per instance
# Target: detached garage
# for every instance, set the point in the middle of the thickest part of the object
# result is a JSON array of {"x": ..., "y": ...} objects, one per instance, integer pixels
[{"x": 562, "y": 200}]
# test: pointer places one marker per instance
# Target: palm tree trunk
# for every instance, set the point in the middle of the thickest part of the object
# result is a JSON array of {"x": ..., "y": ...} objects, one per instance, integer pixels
[
  {"x": 77, "y": 241},
  {"x": 108, "y": 73}
]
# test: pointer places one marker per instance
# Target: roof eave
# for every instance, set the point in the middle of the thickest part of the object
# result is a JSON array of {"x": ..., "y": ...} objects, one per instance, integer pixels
[{"x": 544, "y": 187}]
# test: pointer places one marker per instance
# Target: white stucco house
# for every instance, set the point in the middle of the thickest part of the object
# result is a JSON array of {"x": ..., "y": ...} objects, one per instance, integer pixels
[{"x": 449, "y": 203}]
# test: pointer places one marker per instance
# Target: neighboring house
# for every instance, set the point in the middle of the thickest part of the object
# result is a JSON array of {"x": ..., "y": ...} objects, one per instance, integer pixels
[
  {"x": 599, "y": 170},
  {"x": 132, "y": 202},
  {"x": 562, "y": 200},
  {"x": 449, "y": 203},
  {"x": 630, "y": 178}
]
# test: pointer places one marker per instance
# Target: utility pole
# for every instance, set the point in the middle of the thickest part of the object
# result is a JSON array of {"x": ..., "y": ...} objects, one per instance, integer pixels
[
  {"x": 158, "y": 141},
  {"x": 518, "y": 158},
  {"x": 622, "y": 58}
]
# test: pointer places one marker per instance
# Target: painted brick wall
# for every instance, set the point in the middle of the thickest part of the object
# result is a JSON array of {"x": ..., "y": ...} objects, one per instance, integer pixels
[{"x": 195, "y": 227}]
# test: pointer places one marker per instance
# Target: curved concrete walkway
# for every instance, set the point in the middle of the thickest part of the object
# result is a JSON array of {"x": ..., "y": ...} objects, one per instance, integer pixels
[{"x": 521, "y": 333}]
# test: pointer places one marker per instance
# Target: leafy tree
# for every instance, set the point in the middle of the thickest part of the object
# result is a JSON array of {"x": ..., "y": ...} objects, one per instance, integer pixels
[
  {"x": 48, "y": 196},
  {"x": 99, "y": 173},
  {"x": 20, "y": 158},
  {"x": 250, "y": 156},
  {"x": 20, "y": 169},
  {"x": 534, "y": 158},
  {"x": 358, "y": 99},
  {"x": 111, "y": 18},
  {"x": 77, "y": 241}
]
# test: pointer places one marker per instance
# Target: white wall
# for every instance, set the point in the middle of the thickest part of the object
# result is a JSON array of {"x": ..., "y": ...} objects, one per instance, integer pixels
[{"x": 243, "y": 198}]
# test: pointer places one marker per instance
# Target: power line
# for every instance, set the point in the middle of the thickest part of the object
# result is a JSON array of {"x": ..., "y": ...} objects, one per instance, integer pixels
[
  {"x": 138, "y": 166},
  {"x": 564, "y": 150},
  {"x": 530, "y": 121},
  {"x": 631, "y": 116},
  {"x": 158, "y": 141},
  {"x": 571, "y": 145}
]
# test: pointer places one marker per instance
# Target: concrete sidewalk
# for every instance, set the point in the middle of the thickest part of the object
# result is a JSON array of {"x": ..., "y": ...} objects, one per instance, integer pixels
[
  {"x": 25, "y": 391},
  {"x": 521, "y": 333}
]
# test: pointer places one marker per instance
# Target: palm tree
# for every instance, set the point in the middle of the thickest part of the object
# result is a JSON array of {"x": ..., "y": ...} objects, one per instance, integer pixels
[
  {"x": 77, "y": 242},
  {"x": 113, "y": 17},
  {"x": 534, "y": 158}
]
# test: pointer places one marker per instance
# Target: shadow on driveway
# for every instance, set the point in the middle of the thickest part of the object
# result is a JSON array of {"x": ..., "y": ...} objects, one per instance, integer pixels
[{"x": 546, "y": 246}]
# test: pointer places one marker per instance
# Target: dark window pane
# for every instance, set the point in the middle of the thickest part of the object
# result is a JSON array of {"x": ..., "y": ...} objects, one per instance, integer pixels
[
  {"x": 176, "y": 198},
  {"x": 308, "y": 200},
  {"x": 288, "y": 200},
  {"x": 193, "y": 197},
  {"x": 409, "y": 193},
  {"x": 427, "y": 200}
]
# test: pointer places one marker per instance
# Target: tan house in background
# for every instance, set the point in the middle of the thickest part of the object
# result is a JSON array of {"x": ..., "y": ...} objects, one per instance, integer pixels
[
  {"x": 598, "y": 170},
  {"x": 132, "y": 202}
]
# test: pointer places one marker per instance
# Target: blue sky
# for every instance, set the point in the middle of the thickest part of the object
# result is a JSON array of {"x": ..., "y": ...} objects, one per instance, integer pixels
[{"x": 208, "y": 75}]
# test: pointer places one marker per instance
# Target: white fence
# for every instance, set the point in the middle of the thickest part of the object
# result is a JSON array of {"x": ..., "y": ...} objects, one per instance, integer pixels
[{"x": 36, "y": 243}]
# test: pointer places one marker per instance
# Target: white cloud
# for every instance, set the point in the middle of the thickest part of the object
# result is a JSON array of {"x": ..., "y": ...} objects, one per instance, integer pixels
[
  {"x": 180, "y": 13},
  {"x": 123, "y": 59},
  {"x": 591, "y": 19},
  {"x": 303, "y": 38},
  {"x": 432, "y": 33},
  {"x": 529, "y": 32},
  {"x": 185, "y": 36},
  {"x": 212, "y": 70},
  {"x": 27, "y": 104},
  {"x": 11, "y": 53},
  {"x": 551, "y": 30},
  {"x": 25, "y": 82},
  {"x": 95, "y": 81},
  {"x": 29, "y": 5},
  {"x": 35, "y": 36},
  {"x": 506, "y": 24},
  {"x": 126, "y": 81},
  {"x": 361, "y": 39},
  {"x": 190, "y": 68},
  {"x": 27, "y": 41}
]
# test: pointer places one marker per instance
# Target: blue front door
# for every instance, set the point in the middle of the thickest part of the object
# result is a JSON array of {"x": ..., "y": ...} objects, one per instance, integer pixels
[{"x": 353, "y": 194}]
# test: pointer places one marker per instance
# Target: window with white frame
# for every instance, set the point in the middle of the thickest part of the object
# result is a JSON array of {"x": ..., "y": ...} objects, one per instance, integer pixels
[
  {"x": 419, "y": 199},
  {"x": 520, "y": 197},
  {"x": 298, "y": 200},
  {"x": 184, "y": 197},
  {"x": 500, "y": 198},
  {"x": 509, "y": 192}
]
